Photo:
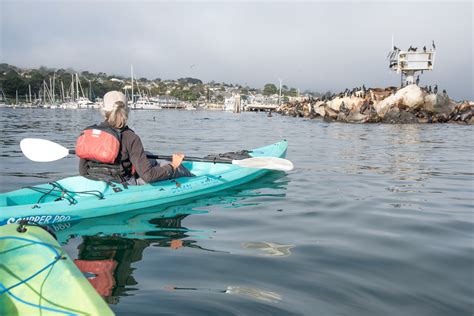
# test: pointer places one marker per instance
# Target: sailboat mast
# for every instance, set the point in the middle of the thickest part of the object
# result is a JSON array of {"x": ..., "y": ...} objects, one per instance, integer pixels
[
  {"x": 44, "y": 91},
  {"x": 77, "y": 86},
  {"x": 72, "y": 88},
  {"x": 131, "y": 70},
  {"x": 62, "y": 91},
  {"x": 54, "y": 90}
]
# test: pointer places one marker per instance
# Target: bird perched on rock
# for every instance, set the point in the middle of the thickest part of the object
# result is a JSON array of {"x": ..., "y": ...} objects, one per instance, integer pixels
[
  {"x": 417, "y": 80},
  {"x": 424, "y": 49},
  {"x": 444, "y": 92},
  {"x": 429, "y": 89},
  {"x": 435, "y": 90},
  {"x": 433, "y": 44}
]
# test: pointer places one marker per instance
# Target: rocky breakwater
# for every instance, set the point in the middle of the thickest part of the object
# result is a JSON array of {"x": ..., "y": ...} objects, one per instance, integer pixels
[{"x": 411, "y": 104}]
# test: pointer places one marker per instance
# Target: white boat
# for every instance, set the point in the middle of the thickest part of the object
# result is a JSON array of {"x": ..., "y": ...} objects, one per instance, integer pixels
[
  {"x": 84, "y": 103},
  {"x": 145, "y": 104},
  {"x": 189, "y": 107}
]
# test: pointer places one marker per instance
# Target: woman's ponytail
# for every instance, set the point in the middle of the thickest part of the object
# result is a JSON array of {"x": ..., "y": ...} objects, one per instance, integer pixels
[{"x": 117, "y": 118}]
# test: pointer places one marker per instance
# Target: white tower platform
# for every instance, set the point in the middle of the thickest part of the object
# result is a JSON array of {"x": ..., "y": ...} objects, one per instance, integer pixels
[{"x": 408, "y": 62}]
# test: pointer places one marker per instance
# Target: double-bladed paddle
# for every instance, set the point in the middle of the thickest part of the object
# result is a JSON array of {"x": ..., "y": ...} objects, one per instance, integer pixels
[{"x": 42, "y": 150}]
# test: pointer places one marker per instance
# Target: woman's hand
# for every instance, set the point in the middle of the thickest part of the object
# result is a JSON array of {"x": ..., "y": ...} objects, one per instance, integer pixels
[{"x": 177, "y": 159}]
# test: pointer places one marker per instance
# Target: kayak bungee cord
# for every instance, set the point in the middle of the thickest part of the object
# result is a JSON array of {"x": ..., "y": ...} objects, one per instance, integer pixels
[
  {"x": 63, "y": 193},
  {"x": 57, "y": 257},
  {"x": 38, "y": 306}
]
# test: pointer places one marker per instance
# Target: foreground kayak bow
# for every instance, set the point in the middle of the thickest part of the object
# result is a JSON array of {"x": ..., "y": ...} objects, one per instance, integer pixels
[{"x": 37, "y": 277}]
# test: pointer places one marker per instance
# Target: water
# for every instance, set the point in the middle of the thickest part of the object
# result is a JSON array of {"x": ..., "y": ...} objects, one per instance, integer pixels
[{"x": 375, "y": 219}]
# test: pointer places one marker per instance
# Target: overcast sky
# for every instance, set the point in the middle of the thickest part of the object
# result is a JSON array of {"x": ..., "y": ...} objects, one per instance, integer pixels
[{"x": 316, "y": 45}]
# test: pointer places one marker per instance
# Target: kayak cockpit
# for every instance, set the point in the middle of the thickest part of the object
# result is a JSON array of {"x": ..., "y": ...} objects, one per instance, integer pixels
[{"x": 205, "y": 168}]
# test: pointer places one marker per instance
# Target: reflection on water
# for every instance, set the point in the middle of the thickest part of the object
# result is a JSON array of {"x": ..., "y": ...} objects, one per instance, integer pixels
[
  {"x": 269, "y": 248},
  {"x": 111, "y": 244},
  {"x": 261, "y": 295}
]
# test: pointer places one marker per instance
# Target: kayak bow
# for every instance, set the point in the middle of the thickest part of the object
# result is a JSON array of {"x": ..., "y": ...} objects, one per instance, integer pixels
[{"x": 37, "y": 277}]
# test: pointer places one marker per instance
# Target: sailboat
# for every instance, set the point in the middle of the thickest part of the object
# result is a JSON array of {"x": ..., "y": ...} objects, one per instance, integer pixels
[{"x": 143, "y": 102}]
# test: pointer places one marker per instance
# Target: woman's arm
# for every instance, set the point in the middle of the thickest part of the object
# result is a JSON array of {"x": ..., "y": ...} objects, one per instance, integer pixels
[
  {"x": 82, "y": 167},
  {"x": 142, "y": 165}
]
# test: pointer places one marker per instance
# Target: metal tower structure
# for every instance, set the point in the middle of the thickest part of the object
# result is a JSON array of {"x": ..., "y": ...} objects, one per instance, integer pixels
[{"x": 408, "y": 62}]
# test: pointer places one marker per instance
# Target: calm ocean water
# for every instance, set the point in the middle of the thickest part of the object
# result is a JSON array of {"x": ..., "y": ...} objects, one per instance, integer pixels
[{"x": 374, "y": 220}]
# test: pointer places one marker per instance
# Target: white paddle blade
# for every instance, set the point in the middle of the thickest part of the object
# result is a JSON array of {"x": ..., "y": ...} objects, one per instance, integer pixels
[
  {"x": 272, "y": 163},
  {"x": 42, "y": 150}
]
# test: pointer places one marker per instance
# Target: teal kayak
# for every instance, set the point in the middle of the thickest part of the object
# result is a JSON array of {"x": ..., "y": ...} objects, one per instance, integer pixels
[
  {"x": 160, "y": 220},
  {"x": 38, "y": 278},
  {"x": 76, "y": 198}
]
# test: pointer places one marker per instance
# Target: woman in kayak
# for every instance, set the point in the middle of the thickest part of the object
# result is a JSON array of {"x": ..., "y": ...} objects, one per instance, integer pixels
[{"x": 111, "y": 151}]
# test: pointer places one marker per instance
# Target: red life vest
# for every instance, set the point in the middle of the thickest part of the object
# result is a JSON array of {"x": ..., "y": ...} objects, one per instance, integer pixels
[
  {"x": 103, "y": 270},
  {"x": 99, "y": 143}
]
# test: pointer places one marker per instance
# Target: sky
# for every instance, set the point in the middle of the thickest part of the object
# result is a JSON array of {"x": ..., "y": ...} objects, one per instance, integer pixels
[{"x": 311, "y": 45}]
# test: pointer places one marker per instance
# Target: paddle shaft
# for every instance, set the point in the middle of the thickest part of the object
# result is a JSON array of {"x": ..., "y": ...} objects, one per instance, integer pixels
[{"x": 186, "y": 158}]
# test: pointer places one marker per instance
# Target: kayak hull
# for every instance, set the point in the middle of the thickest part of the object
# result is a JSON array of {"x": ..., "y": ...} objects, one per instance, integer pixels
[
  {"x": 38, "y": 277},
  {"x": 75, "y": 198}
]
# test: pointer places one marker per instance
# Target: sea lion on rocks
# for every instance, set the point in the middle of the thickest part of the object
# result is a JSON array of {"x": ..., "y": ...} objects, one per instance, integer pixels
[
  {"x": 467, "y": 115},
  {"x": 331, "y": 112}
]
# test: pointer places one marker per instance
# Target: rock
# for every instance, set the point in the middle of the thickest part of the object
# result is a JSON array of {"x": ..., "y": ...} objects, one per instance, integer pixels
[
  {"x": 383, "y": 106},
  {"x": 356, "y": 117},
  {"x": 319, "y": 108},
  {"x": 437, "y": 104},
  {"x": 411, "y": 96},
  {"x": 395, "y": 116},
  {"x": 349, "y": 103}
]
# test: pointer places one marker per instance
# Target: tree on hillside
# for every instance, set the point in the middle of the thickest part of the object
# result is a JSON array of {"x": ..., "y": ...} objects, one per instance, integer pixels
[
  {"x": 292, "y": 93},
  {"x": 269, "y": 89},
  {"x": 13, "y": 82}
]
